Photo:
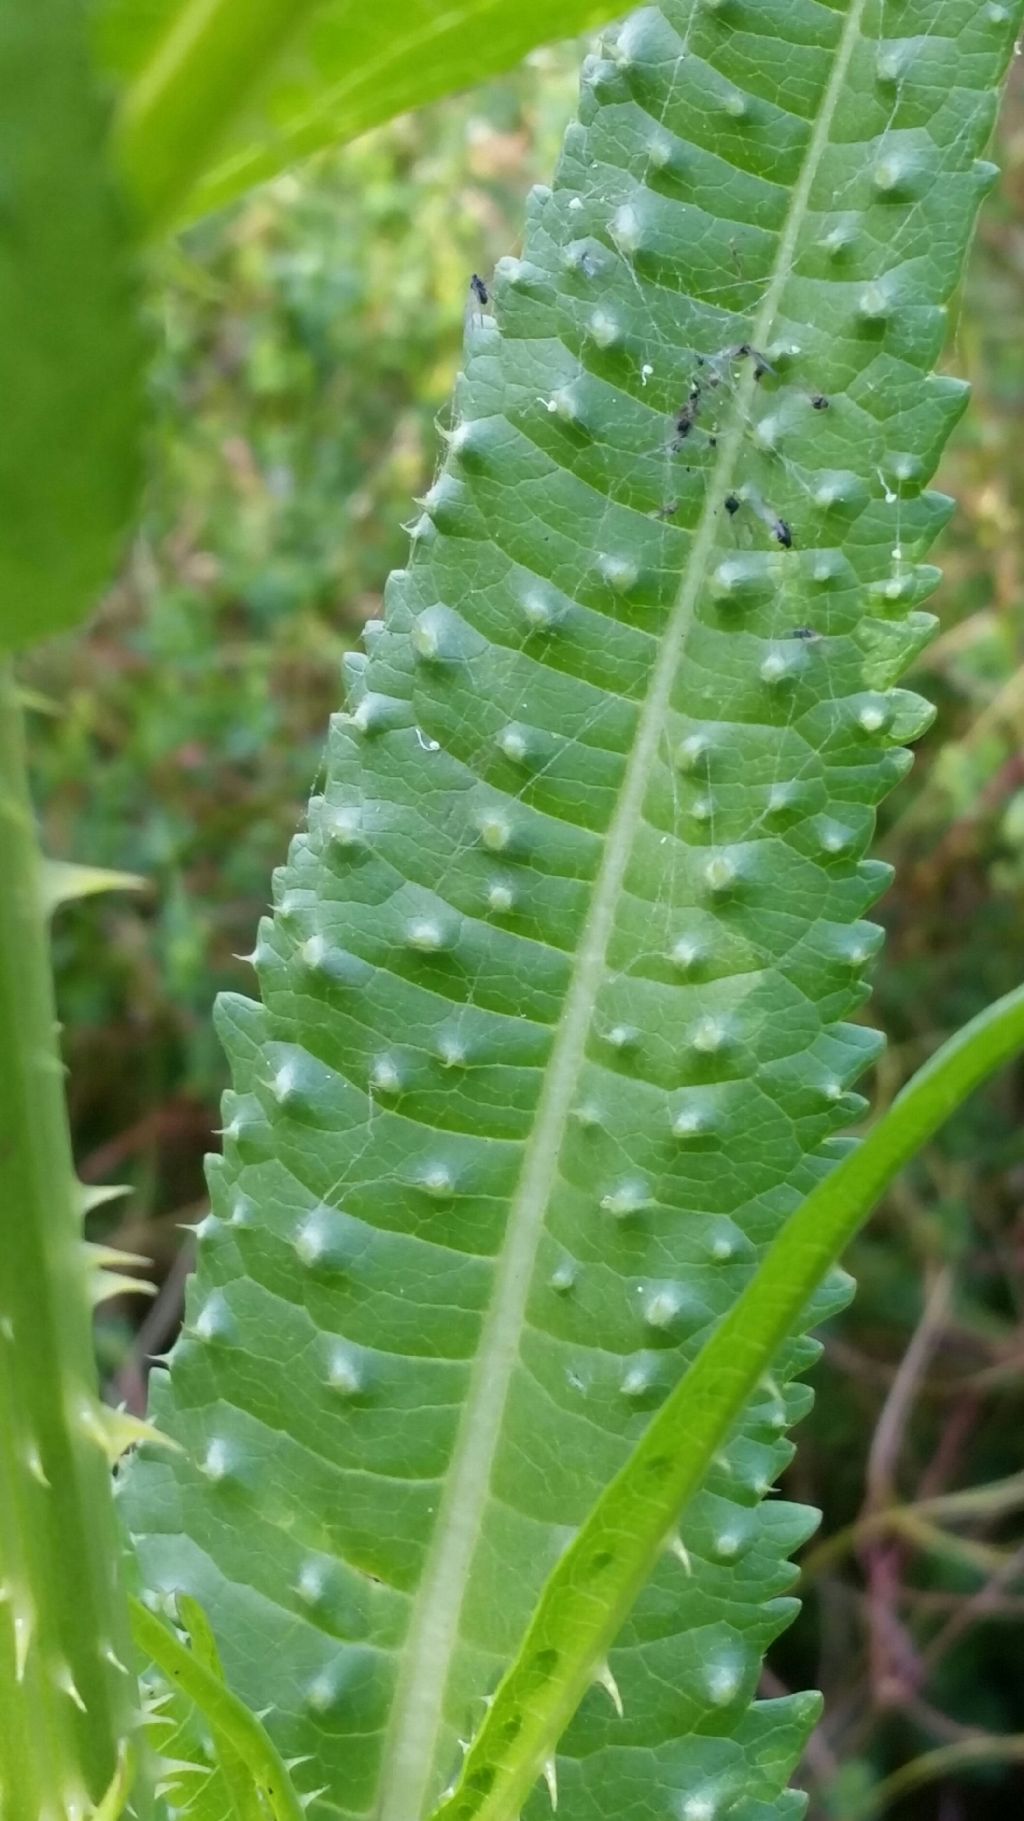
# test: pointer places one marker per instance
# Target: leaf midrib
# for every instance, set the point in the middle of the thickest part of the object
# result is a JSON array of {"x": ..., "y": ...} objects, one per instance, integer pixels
[{"x": 412, "y": 1738}]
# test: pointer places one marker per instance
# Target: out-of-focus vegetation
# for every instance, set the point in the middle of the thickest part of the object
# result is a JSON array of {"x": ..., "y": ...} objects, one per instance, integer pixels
[{"x": 308, "y": 339}]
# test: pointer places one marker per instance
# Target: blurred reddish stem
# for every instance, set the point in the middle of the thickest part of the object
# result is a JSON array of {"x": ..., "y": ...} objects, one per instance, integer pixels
[
  {"x": 155, "y": 1332},
  {"x": 896, "y": 1672}
]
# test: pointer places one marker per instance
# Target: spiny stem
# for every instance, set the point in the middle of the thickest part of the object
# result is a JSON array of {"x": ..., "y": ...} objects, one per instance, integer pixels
[{"x": 66, "y": 1697}]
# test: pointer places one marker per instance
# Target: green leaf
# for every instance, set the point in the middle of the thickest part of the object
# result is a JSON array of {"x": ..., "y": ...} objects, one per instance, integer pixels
[
  {"x": 240, "y": 1737},
  {"x": 69, "y": 340},
  {"x": 221, "y": 96},
  {"x": 558, "y": 996},
  {"x": 187, "y": 1767},
  {"x": 614, "y": 1553},
  {"x": 245, "y": 1797}
]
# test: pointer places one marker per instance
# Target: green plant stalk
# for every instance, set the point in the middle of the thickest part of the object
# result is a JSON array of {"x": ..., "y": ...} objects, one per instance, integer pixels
[
  {"x": 236, "y": 1729},
  {"x": 206, "y": 67},
  {"x": 595, "y": 1584},
  {"x": 66, "y": 1697}
]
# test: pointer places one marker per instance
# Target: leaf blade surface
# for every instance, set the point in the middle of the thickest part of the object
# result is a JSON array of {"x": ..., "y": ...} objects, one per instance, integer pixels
[{"x": 556, "y": 1030}]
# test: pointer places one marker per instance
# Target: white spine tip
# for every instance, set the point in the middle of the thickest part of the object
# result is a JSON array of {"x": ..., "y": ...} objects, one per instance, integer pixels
[
  {"x": 709, "y": 1036},
  {"x": 623, "y": 1037},
  {"x": 627, "y": 1198},
  {"x": 495, "y": 832},
  {"x": 605, "y": 331},
  {"x": 343, "y": 1375},
  {"x": 678, "y": 1549},
  {"x": 626, "y": 230},
  {"x": 620, "y": 574},
  {"x": 699, "y": 1808},
  {"x": 690, "y": 752},
  {"x": 720, "y": 874},
  {"x": 636, "y": 1382},
  {"x": 216, "y": 1462},
  {"x": 604, "y": 1678},
  {"x": 512, "y": 742},
  {"x": 310, "y": 1584},
  {"x": 65, "y": 1682},
  {"x": 385, "y": 1077},
  {"x": 425, "y": 935},
  {"x": 663, "y": 1309},
  {"x": 539, "y": 612},
  {"x": 34, "y": 1463}
]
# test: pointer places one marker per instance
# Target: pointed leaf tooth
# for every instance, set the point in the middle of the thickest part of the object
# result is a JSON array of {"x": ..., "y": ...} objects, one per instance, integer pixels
[
  {"x": 97, "y": 1195},
  {"x": 115, "y": 1431},
  {"x": 126, "y": 1431},
  {"x": 104, "y": 1284},
  {"x": 101, "y": 1256},
  {"x": 63, "y": 882}
]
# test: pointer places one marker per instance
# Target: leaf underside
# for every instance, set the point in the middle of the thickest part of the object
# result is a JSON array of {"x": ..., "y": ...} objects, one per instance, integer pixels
[{"x": 556, "y": 997}]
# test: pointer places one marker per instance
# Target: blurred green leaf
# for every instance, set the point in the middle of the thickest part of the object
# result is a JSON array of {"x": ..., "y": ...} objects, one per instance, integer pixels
[
  {"x": 221, "y": 96},
  {"x": 69, "y": 345}
]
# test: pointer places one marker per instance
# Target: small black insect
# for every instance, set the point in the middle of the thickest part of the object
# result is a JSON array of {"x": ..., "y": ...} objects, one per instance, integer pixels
[
  {"x": 782, "y": 533},
  {"x": 688, "y": 414},
  {"x": 762, "y": 365},
  {"x": 819, "y": 401},
  {"x": 732, "y": 504},
  {"x": 479, "y": 289},
  {"x": 804, "y": 632}
]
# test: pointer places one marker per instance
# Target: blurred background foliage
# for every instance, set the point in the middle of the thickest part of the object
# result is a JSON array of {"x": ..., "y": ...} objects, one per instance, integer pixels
[{"x": 305, "y": 342}]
